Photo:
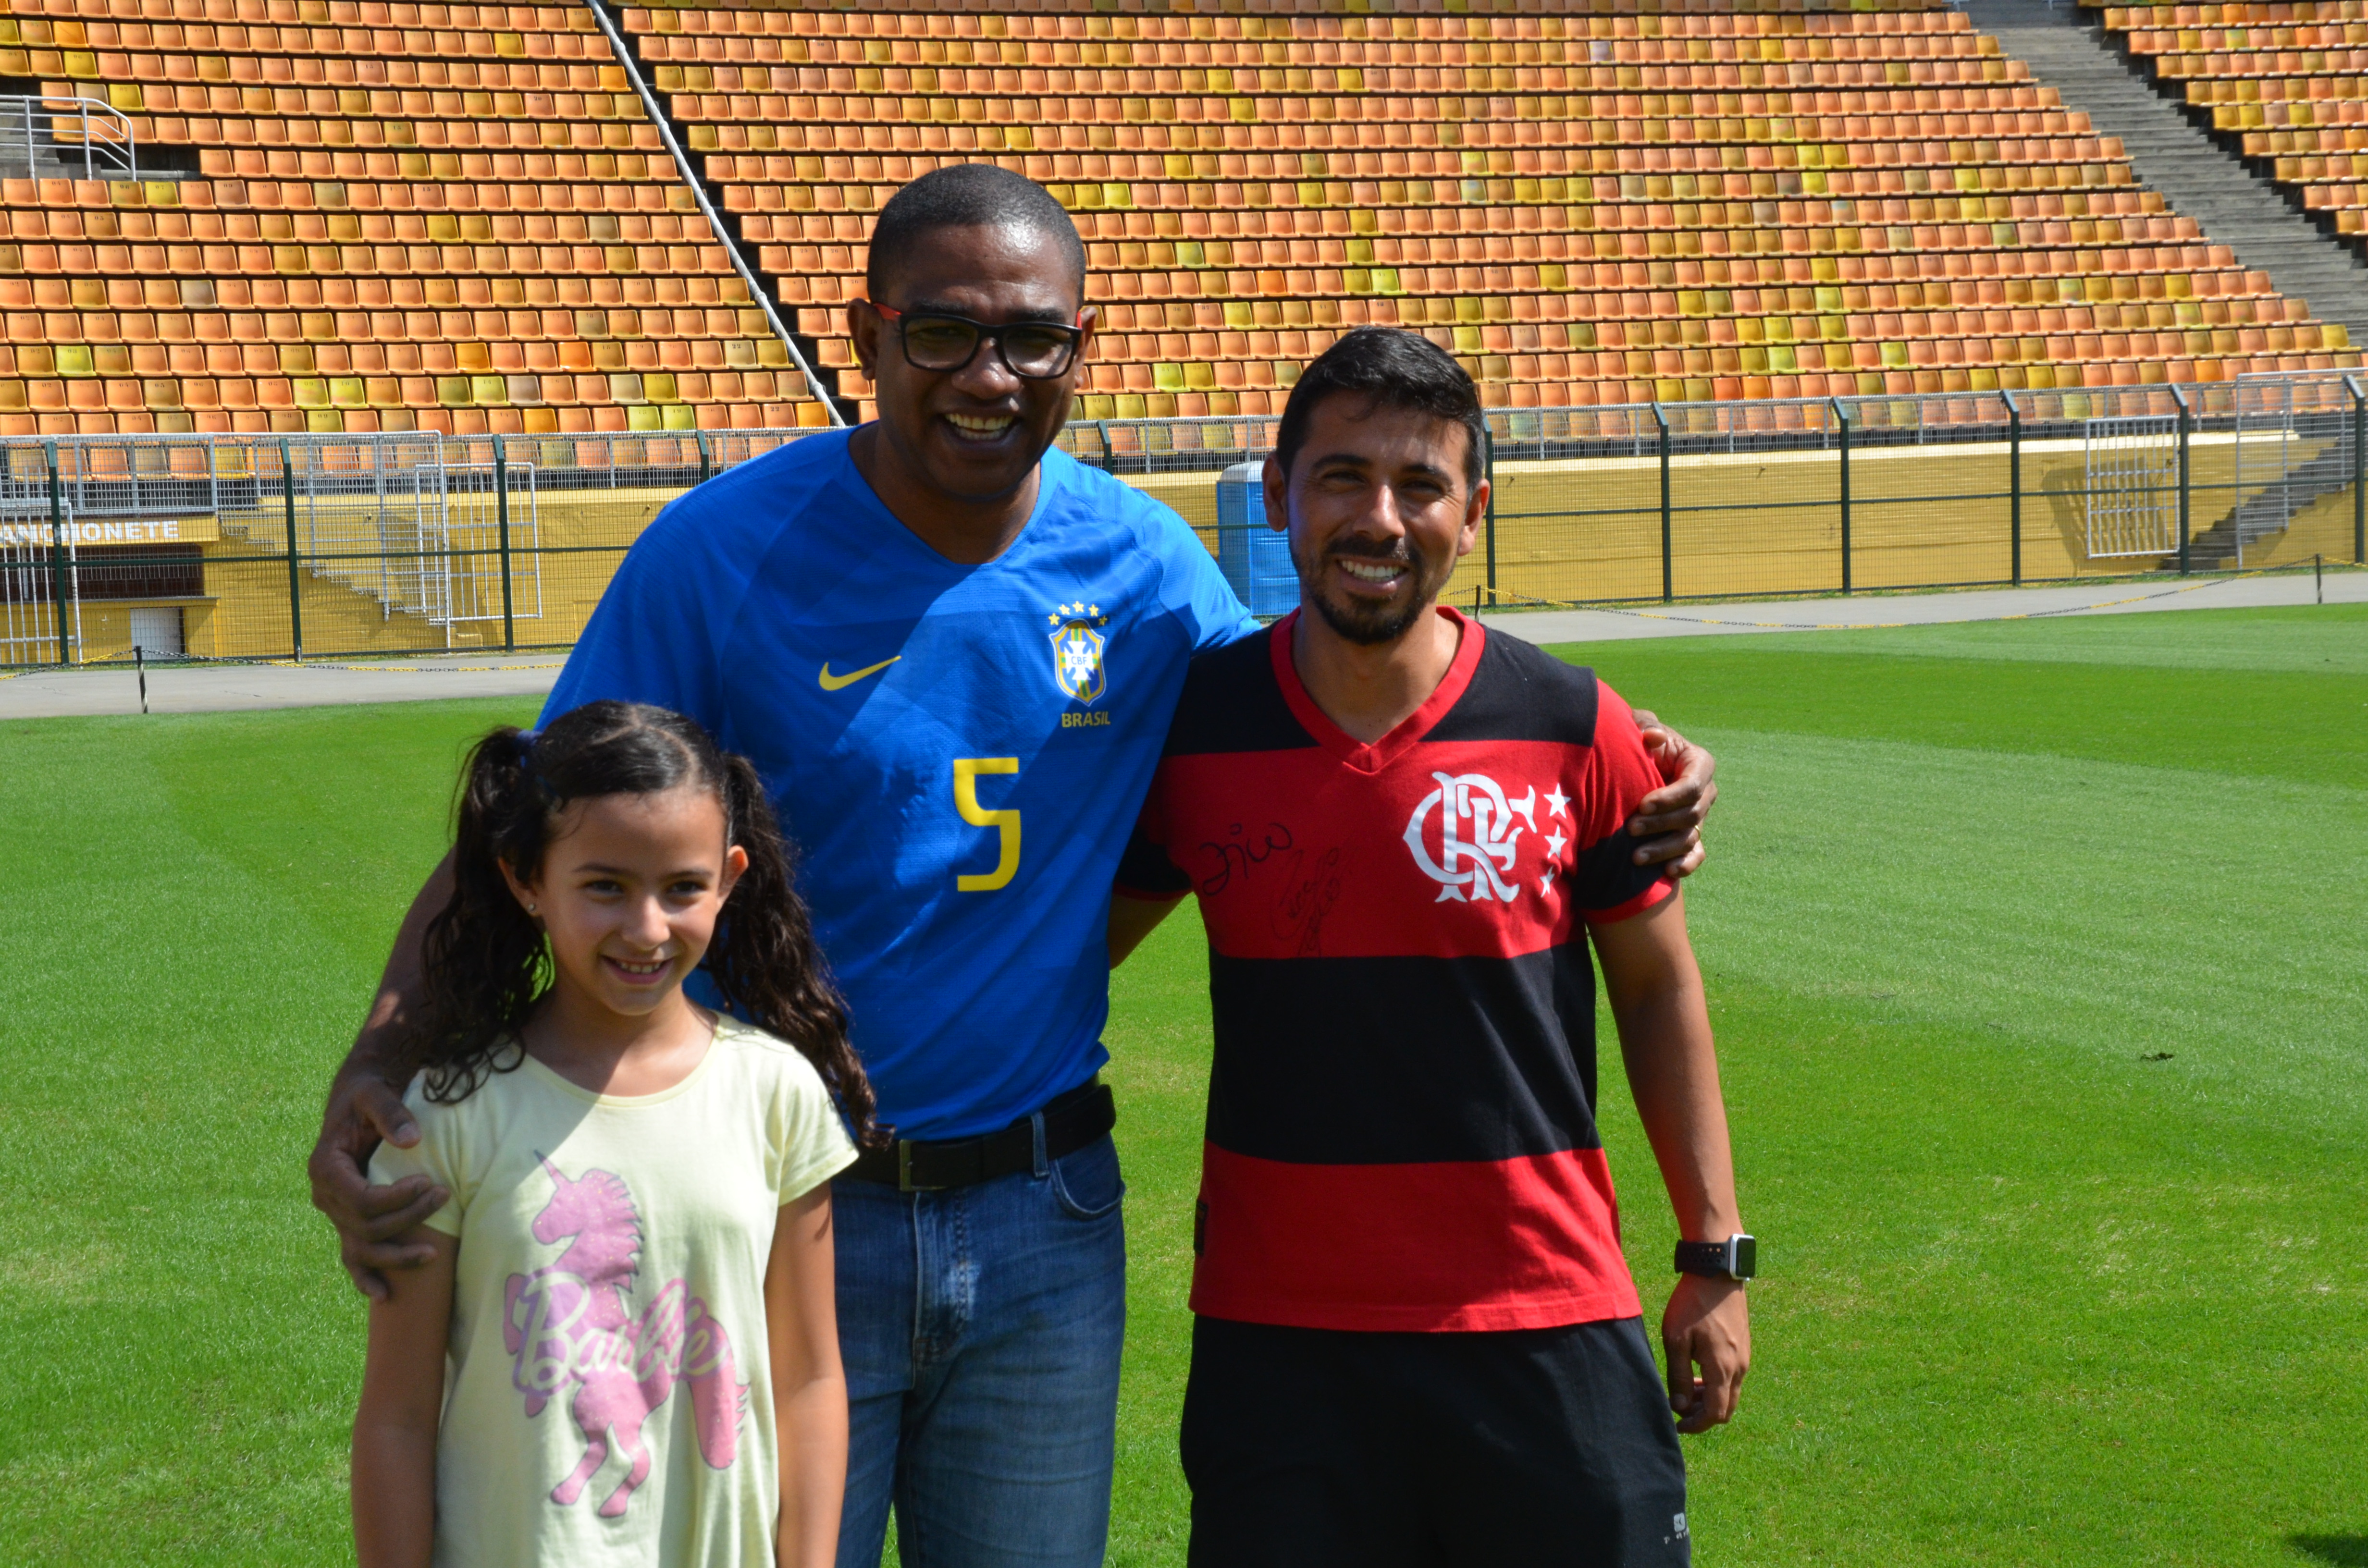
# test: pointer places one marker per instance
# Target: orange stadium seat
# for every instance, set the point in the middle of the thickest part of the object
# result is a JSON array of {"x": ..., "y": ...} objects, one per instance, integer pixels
[
  {"x": 2283, "y": 80},
  {"x": 411, "y": 214},
  {"x": 380, "y": 189},
  {"x": 1658, "y": 200}
]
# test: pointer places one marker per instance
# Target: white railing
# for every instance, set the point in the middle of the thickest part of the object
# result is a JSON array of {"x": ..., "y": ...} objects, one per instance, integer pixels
[
  {"x": 2131, "y": 486},
  {"x": 632, "y": 66},
  {"x": 65, "y": 132},
  {"x": 473, "y": 553},
  {"x": 32, "y": 584}
]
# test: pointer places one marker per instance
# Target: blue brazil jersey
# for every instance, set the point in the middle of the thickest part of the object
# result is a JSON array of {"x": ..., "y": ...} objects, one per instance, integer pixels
[{"x": 959, "y": 752}]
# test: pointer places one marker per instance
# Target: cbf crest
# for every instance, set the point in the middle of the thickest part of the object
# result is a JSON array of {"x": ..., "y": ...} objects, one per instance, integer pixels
[{"x": 1077, "y": 667}]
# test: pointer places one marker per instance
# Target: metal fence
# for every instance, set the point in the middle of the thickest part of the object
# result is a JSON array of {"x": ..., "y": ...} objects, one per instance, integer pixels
[
  {"x": 308, "y": 546},
  {"x": 1647, "y": 502},
  {"x": 259, "y": 547}
]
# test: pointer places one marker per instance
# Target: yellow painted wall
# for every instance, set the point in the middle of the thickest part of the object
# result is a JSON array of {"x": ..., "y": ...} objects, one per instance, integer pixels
[
  {"x": 1567, "y": 531},
  {"x": 1771, "y": 522},
  {"x": 2324, "y": 528},
  {"x": 581, "y": 536},
  {"x": 27, "y": 634}
]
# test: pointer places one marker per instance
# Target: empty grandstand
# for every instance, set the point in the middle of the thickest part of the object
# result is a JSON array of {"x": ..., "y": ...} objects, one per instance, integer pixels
[
  {"x": 1592, "y": 203},
  {"x": 387, "y": 325},
  {"x": 2285, "y": 84},
  {"x": 354, "y": 216}
]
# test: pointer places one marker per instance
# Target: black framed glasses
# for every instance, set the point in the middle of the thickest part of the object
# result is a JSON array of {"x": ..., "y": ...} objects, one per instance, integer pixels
[{"x": 1033, "y": 350}]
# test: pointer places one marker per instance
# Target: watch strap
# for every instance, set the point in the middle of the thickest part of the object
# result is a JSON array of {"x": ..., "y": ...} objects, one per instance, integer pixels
[{"x": 1717, "y": 1259}]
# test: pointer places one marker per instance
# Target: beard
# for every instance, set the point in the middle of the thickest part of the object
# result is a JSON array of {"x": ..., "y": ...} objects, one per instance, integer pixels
[{"x": 1372, "y": 623}]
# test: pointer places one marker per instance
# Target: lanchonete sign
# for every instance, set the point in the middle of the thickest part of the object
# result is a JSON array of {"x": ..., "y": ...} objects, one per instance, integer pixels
[{"x": 35, "y": 533}]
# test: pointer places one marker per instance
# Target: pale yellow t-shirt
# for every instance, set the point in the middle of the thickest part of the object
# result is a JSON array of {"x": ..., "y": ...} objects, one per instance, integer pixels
[{"x": 608, "y": 1392}]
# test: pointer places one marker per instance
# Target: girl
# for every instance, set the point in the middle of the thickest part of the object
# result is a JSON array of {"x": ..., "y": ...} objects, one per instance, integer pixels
[{"x": 632, "y": 1284}]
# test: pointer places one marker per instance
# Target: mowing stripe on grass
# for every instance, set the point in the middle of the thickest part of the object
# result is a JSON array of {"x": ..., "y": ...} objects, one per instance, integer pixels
[
  {"x": 200, "y": 906},
  {"x": 2029, "y": 1298}
]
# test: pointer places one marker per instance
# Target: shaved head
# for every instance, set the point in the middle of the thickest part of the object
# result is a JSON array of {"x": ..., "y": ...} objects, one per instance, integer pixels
[{"x": 968, "y": 196}]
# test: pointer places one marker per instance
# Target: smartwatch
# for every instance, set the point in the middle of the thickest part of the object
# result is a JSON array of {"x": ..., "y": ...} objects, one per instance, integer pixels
[{"x": 1734, "y": 1259}]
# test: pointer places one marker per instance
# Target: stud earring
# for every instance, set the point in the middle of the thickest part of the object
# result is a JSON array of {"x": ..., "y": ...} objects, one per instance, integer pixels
[{"x": 532, "y": 909}]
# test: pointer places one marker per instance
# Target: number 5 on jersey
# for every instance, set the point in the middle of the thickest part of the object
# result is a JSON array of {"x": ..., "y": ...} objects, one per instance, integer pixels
[{"x": 1006, "y": 823}]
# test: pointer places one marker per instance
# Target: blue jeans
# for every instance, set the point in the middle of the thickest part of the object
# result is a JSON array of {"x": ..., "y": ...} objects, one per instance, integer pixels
[{"x": 981, "y": 1328}]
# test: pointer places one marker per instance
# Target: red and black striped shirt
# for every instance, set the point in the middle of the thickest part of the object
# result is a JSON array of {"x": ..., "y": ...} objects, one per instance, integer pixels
[{"x": 1401, "y": 1130}]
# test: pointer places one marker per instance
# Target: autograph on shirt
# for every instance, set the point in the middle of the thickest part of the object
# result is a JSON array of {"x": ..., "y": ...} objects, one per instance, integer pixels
[{"x": 1306, "y": 894}]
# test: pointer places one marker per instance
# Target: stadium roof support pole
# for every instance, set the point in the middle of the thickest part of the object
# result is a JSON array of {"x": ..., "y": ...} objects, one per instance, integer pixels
[
  {"x": 2358, "y": 469},
  {"x": 1669, "y": 579},
  {"x": 2013, "y": 483},
  {"x": 57, "y": 554},
  {"x": 2178, "y": 396},
  {"x": 501, "y": 522},
  {"x": 1841, "y": 418},
  {"x": 714, "y": 219},
  {"x": 295, "y": 580},
  {"x": 1488, "y": 470}
]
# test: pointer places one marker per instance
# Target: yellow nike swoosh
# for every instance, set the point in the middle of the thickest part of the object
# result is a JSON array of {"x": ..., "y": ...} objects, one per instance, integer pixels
[{"x": 840, "y": 683}]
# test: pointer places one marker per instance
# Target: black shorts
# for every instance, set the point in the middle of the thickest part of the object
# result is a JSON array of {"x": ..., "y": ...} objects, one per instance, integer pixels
[{"x": 1549, "y": 1448}]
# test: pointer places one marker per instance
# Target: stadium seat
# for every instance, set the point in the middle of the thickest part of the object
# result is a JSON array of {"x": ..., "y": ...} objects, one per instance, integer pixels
[
  {"x": 2281, "y": 80},
  {"x": 463, "y": 213},
  {"x": 1459, "y": 174},
  {"x": 372, "y": 181}
]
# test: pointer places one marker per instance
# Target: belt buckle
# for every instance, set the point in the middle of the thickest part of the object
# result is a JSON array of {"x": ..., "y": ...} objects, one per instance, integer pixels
[{"x": 904, "y": 1182}]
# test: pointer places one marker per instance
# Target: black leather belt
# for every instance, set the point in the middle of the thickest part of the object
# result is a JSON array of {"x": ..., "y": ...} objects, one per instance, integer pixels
[{"x": 912, "y": 1164}]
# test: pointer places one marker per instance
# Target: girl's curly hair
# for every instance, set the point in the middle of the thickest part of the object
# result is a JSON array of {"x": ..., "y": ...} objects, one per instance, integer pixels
[{"x": 486, "y": 963}]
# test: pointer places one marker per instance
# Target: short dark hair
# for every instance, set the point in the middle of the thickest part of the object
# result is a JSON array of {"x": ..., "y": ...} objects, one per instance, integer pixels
[
  {"x": 1392, "y": 368},
  {"x": 967, "y": 196}
]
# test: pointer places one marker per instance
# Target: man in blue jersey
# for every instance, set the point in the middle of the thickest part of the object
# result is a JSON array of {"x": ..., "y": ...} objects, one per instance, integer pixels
[{"x": 953, "y": 653}]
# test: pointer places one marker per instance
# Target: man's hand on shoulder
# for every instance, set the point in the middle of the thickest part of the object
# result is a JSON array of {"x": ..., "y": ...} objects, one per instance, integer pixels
[
  {"x": 1706, "y": 1325},
  {"x": 363, "y": 1110},
  {"x": 1669, "y": 821}
]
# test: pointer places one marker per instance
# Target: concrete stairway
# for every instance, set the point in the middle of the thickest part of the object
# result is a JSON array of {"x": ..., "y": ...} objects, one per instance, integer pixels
[
  {"x": 37, "y": 158},
  {"x": 2194, "y": 175},
  {"x": 2320, "y": 450},
  {"x": 38, "y": 140}
]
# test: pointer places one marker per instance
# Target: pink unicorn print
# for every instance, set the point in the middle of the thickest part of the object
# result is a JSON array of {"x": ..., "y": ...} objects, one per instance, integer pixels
[{"x": 568, "y": 1322}]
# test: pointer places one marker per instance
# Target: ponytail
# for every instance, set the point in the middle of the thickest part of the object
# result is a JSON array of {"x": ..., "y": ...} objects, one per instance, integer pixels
[
  {"x": 486, "y": 963},
  {"x": 484, "y": 958},
  {"x": 764, "y": 960}
]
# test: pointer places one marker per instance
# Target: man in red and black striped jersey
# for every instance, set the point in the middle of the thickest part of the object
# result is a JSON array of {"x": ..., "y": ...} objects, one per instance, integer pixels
[{"x": 1416, "y": 1338}]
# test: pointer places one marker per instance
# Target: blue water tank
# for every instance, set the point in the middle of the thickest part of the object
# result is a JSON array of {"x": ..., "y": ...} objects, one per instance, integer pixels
[{"x": 1254, "y": 558}]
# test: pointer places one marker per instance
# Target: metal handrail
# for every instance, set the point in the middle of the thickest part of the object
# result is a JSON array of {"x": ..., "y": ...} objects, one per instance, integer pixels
[
  {"x": 99, "y": 131},
  {"x": 682, "y": 163}
]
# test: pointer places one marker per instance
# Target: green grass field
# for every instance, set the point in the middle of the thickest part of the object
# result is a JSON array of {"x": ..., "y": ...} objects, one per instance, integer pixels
[{"x": 2034, "y": 951}]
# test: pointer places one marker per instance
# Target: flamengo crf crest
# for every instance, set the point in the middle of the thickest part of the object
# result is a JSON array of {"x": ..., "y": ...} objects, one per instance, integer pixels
[
  {"x": 1475, "y": 864},
  {"x": 1077, "y": 652}
]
